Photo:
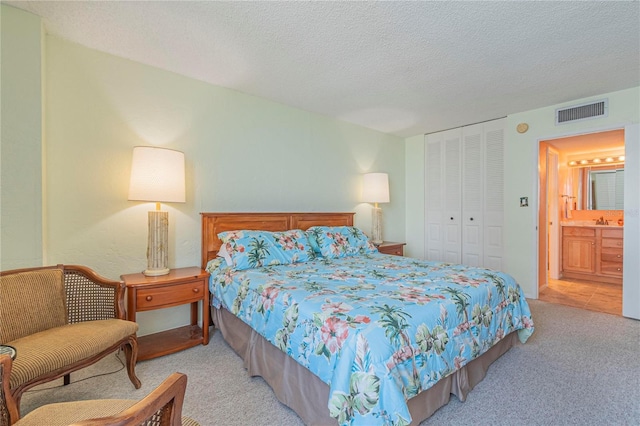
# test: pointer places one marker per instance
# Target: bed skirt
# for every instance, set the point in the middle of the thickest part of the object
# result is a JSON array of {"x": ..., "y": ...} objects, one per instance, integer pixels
[{"x": 307, "y": 395}]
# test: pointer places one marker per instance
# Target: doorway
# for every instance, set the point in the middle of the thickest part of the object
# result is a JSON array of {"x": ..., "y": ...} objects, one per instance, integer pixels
[{"x": 561, "y": 201}]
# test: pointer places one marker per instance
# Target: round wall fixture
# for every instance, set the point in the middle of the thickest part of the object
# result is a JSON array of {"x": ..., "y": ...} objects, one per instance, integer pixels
[{"x": 522, "y": 127}]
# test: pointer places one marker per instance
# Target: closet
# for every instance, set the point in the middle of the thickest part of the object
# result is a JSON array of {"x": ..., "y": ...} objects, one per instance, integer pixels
[{"x": 464, "y": 199}]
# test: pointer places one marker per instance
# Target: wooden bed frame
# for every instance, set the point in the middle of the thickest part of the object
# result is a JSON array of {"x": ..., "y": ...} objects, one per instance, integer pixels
[
  {"x": 294, "y": 385},
  {"x": 214, "y": 223}
]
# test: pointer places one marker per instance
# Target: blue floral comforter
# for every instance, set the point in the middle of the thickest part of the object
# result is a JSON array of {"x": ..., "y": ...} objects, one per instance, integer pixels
[{"x": 378, "y": 329}]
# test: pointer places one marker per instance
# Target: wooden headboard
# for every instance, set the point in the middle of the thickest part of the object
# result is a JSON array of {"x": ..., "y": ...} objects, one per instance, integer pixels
[{"x": 214, "y": 223}]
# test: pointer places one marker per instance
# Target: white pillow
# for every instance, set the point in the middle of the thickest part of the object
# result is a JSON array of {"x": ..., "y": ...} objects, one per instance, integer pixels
[{"x": 225, "y": 254}]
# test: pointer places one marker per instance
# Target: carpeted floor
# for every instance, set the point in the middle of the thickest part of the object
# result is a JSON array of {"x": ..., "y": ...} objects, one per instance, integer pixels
[{"x": 579, "y": 368}]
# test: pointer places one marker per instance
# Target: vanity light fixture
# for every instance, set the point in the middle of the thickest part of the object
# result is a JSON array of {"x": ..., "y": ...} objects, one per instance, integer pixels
[{"x": 600, "y": 161}]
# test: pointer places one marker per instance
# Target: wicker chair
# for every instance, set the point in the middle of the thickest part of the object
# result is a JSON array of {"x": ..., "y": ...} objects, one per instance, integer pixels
[
  {"x": 61, "y": 319},
  {"x": 162, "y": 407}
]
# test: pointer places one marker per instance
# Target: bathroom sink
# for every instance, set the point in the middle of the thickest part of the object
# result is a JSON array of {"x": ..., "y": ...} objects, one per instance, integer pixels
[{"x": 612, "y": 223}]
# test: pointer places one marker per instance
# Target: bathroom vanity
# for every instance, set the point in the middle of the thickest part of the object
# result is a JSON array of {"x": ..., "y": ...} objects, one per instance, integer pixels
[{"x": 592, "y": 252}]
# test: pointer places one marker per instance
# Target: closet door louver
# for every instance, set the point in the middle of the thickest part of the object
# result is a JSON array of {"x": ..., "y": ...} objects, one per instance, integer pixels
[
  {"x": 453, "y": 197},
  {"x": 434, "y": 197},
  {"x": 465, "y": 195},
  {"x": 472, "y": 195},
  {"x": 494, "y": 195},
  {"x": 443, "y": 196}
]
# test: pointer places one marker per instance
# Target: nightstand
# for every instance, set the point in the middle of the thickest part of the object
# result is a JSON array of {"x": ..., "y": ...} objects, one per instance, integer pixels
[
  {"x": 388, "y": 247},
  {"x": 180, "y": 286}
]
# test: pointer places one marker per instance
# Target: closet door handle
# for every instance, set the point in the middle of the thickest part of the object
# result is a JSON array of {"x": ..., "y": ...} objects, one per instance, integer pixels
[
  {"x": 451, "y": 218},
  {"x": 471, "y": 219}
]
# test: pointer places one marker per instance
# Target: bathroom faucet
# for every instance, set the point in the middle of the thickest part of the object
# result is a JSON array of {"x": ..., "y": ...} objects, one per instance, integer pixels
[{"x": 602, "y": 221}]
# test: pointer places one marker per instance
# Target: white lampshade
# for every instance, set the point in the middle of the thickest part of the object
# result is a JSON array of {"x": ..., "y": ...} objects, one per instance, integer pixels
[
  {"x": 375, "y": 188},
  {"x": 157, "y": 174}
]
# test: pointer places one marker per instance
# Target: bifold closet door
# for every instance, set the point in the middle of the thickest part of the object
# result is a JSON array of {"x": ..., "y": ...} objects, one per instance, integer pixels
[
  {"x": 493, "y": 226},
  {"x": 464, "y": 199},
  {"x": 443, "y": 196},
  {"x": 434, "y": 197},
  {"x": 472, "y": 194}
]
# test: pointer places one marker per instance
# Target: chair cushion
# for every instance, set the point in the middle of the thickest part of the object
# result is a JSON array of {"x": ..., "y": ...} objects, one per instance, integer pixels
[
  {"x": 31, "y": 301},
  {"x": 188, "y": 421},
  {"x": 56, "y": 348},
  {"x": 66, "y": 413}
]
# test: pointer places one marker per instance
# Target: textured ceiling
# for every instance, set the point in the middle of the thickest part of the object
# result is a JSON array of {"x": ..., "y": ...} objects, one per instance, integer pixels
[{"x": 403, "y": 68}]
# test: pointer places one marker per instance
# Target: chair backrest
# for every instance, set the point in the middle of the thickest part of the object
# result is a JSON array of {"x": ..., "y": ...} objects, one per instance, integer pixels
[
  {"x": 162, "y": 407},
  {"x": 32, "y": 301},
  {"x": 87, "y": 300}
]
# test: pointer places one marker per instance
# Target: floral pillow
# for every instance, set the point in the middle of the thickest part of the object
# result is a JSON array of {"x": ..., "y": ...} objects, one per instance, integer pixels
[
  {"x": 253, "y": 249},
  {"x": 339, "y": 241},
  {"x": 295, "y": 245}
]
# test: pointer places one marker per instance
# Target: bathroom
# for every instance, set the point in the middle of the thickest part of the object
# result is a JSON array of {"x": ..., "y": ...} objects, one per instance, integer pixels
[{"x": 582, "y": 179}]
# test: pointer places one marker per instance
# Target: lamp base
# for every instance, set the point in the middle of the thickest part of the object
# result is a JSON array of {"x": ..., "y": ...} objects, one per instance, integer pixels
[
  {"x": 157, "y": 253},
  {"x": 156, "y": 272},
  {"x": 376, "y": 226}
]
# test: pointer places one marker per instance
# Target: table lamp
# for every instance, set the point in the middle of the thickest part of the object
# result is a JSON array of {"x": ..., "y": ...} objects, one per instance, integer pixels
[
  {"x": 157, "y": 175},
  {"x": 375, "y": 189}
]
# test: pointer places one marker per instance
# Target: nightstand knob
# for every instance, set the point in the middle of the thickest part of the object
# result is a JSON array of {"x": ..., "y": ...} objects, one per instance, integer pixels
[
  {"x": 149, "y": 298},
  {"x": 619, "y": 269},
  {"x": 196, "y": 290},
  {"x": 451, "y": 218}
]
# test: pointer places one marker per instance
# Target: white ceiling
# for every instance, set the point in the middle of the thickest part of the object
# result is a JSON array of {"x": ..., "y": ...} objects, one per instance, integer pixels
[
  {"x": 399, "y": 67},
  {"x": 591, "y": 143}
]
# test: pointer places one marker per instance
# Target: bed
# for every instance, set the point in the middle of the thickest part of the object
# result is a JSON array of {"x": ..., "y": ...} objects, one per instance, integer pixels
[{"x": 356, "y": 337}]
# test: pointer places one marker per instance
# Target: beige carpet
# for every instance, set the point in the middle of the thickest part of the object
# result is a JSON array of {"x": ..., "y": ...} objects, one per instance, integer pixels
[{"x": 579, "y": 368}]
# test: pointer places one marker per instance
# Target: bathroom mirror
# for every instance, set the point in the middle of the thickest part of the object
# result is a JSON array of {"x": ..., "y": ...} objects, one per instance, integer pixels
[{"x": 601, "y": 188}]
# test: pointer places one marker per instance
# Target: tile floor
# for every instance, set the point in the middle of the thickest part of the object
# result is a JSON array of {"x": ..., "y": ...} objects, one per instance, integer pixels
[{"x": 594, "y": 296}]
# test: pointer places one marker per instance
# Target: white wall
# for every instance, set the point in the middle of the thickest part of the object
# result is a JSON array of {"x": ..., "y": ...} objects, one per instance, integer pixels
[
  {"x": 631, "y": 273},
  {"x": 521, "y": 180},
  {"x": 242, "y": 153},
  {"x": 415, "y": 192},
  {"x": 21, "y": 136},
  {"x": 521, "y": 172}
]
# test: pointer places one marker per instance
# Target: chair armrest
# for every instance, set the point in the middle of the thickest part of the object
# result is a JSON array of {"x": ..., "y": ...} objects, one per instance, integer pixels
[
  {"x": 8, "y": 407},
  {"x": 91, "y": 296},
  {"x": 162, "y": 406}
]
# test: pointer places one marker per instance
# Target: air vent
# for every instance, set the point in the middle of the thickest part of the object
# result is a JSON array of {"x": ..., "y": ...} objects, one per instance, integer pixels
[{"x": 582, "y": 112}]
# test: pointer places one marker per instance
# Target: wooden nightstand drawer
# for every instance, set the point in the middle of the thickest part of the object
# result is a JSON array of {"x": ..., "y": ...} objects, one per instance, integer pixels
[
  {"x": 179, "y": 287},
  {"x": 396, "y": 249},
  {"x": 174, "y": 295}
]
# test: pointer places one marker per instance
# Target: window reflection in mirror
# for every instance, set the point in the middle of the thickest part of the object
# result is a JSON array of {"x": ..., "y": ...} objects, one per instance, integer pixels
[{"x": 601, "y": 188}]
